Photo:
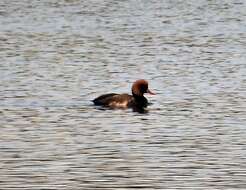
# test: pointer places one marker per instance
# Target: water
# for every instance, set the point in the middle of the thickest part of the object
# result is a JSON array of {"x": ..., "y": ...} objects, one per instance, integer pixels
[{"x": 56, "y": 56}]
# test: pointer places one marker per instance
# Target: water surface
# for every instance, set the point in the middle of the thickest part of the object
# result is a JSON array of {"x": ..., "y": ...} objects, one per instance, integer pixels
[{"x": 56, "y": 56}]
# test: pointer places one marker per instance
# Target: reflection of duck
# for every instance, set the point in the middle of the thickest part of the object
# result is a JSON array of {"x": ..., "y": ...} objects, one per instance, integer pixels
[{"x": 136, "y": 101}]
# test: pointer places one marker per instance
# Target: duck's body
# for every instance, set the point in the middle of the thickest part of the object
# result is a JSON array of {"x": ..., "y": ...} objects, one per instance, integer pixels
[
  {"x": 136, "y": 100},
  {"x": 114, "y": 100},
  {"x": 120, "y": 101}
]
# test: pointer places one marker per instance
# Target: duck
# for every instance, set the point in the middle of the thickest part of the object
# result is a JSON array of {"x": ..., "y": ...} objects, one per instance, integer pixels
[{"x": 137, "y": 101}]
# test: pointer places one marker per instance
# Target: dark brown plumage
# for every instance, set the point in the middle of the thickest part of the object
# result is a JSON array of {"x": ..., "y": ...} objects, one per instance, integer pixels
[{"x": 135, "y": 101}]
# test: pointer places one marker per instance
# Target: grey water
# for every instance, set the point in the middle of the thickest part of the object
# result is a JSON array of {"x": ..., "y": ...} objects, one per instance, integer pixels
[{"x": 56, "y": 56}]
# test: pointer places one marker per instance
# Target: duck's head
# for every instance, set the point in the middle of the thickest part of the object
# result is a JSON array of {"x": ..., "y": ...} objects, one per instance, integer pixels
[{"x": 140, "y": 87}]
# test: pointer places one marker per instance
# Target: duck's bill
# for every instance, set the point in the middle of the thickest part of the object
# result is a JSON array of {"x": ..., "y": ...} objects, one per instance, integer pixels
[{"x": 149, "y": 92}]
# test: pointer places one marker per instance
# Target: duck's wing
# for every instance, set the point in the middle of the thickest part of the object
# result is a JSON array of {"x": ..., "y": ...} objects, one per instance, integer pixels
[
  {"x": 114, "y": 100},
  {"x": 121, "y": 101},
  {"x": 103, "y": 99}
]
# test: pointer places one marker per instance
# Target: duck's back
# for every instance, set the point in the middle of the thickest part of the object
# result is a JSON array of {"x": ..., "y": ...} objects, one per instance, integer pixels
[{"x": 114, "y": 100}]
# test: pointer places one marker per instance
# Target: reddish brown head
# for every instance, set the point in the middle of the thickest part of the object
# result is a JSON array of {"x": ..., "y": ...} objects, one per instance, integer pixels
[{"x": 140, "y": 87}]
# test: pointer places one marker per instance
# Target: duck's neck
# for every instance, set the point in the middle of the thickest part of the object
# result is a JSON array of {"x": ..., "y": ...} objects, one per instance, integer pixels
[{"x": 141, "y": 101}]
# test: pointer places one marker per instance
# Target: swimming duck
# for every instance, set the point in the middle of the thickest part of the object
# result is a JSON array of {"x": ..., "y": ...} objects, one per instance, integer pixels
[{"x": 136, "y": 101}]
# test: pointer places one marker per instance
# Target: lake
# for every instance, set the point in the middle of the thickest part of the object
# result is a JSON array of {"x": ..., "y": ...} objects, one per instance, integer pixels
[{"x": 56, "y": 56}]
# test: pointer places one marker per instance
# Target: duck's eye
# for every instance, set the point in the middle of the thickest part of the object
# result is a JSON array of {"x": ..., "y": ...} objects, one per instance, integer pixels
[{"x": 144, "y": 89}]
